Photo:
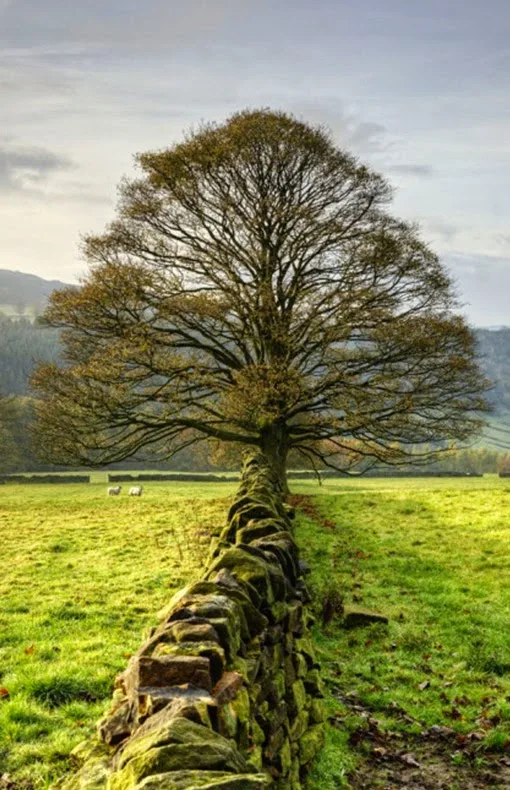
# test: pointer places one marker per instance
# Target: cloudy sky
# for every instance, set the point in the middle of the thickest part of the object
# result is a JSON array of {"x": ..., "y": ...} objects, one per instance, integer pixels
[{"x": 420, "y": 90}]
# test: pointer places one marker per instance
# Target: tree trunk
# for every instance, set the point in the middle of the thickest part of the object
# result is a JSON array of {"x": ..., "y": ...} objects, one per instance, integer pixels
[{"x": 273, "y": 443}]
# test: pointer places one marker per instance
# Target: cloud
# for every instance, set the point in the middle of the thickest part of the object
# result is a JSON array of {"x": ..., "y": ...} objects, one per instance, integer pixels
[
  {"x": 124, "y": 25},
  {"x": 420, "y": 171},
  {"x": 360, "y": 136},
  {"x": 27, "y": 168}
]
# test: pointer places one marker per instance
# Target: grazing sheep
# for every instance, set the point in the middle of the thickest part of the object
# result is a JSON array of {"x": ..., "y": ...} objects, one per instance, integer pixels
[
  {"x": 136, "y": 491},
  {"x": 114, "y": 490}
]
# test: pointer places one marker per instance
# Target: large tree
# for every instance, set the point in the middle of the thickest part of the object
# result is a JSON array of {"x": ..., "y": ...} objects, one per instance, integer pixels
[{"x": 255, "y": 289}]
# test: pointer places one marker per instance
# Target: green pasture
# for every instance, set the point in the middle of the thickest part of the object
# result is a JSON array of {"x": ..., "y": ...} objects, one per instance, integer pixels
[
  {"x": 434, "y": 556},
  {"x": 83, "y": 576}
]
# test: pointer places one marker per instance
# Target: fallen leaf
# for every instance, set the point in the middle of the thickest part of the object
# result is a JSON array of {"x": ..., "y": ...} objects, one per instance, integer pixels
[
  {"x": 424, "y": 685},
  {"x": 30, "y": 650},
  {"x": 4, "y": 694}
]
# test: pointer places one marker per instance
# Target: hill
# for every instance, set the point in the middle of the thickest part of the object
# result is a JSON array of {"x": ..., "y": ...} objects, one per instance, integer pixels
[{"x": 25, "y": 294}]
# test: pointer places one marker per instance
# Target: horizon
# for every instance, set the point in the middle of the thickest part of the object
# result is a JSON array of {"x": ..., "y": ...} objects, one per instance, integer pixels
[{"x": 419, "y": 95}]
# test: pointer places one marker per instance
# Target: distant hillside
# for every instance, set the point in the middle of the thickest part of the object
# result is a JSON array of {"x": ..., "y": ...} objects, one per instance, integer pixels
[
  {"x": 22, "y": 343},
  {"x": 24, "y": 294}
]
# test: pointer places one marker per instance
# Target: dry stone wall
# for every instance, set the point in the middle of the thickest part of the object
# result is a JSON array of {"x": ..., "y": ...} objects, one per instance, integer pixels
[{"x": 225, "y": 693}]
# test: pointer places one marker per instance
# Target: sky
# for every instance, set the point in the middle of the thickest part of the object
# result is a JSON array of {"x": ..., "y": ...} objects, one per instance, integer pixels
[{"x": 417, "y": 89}]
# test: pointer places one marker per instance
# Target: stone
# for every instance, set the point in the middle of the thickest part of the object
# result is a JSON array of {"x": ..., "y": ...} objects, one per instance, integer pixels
[
  {"x": 295, "y": 617},
  {"x": 196, "y": 711},
  {"x": 91, "y": 749},
  {"x": 193, "y": 632},
  {"x": 227, "y": 687},
  {"x": 317, "y": 711},
  {"x": 290, "y": 672},
  {"x": 299, "y": 725},
  {"x": 274, "y": 744},
  {"x": 313, "y": 683},
  {"x": 277, "y": 612},
  {"x": 117, "y": 725},
  {"x": 259, "y": 529},
  {"x": 147, "y": 672},
  {"x": 246, "y": 567},
  {"x": 205, "y": 780},
  {"x": 93, "y": 775},
  {"x": 304, "y": 646},
  {"x": 255, "y": 758},
  {"x": 155, "y": 698},
  {"x": 355, "y": 617},
  {"x": 297, "y": 701},
  {"x": 210, "y": 650},
  {"x": 257, "y": 733},
  {"x": 304, "y": 568},
  {"x": 229, "y": 635},
  {"x": 301, "y": 665},
  {"x": 161, "y": 748},
  {"x": 311, "y": 743},
  {"x": 285, "y": 758},
  {"x": 302, "y": 592},
  {"x": 227, "y": 721}
]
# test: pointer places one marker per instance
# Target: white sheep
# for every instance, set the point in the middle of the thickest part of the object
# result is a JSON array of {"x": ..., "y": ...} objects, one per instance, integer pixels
[
  {"x": 136, "y": 491},
  {"x": 114, "y": 490}
]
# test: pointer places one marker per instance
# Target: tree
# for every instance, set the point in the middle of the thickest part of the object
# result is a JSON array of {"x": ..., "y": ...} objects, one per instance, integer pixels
[
  {"x": 255, "y": 289},
  {"x": 10, "y": 455}
]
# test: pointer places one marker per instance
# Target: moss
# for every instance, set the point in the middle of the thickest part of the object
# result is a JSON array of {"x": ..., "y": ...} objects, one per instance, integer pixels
[
  {"x": 211, "y": 756},
  {"x": 299, "y": 725},
  {"x": 192, "y": 780},
  {"x": 311, "y": 743},
  {"x": 298, "y": 701},
  {"x": 285, "y": 758}
]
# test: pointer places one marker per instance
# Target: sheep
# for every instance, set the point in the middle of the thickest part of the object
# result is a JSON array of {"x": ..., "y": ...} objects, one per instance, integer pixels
[
  {"x": 114, "y": 490},
  {"x": 136, "y": 491}
]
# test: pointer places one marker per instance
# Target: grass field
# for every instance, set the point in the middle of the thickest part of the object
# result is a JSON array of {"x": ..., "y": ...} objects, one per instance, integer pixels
[
  {"x": 432, "y": 687},
  {"x": 83, "y": 576}
]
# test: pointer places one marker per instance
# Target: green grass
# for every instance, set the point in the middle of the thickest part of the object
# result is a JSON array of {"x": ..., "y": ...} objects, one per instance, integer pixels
[
  {"x": 433, "y": 556},
  {"x": 83, "y": 576}
]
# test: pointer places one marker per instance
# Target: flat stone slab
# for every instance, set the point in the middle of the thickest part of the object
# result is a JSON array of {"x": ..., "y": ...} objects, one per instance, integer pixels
[{"x": 355, "y": 617}]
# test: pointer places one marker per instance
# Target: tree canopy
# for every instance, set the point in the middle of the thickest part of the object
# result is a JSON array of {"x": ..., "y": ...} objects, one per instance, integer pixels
[{"x": 254, "y": 288}]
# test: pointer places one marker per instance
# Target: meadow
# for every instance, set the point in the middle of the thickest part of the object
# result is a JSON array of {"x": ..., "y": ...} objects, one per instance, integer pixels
[{"x": 83, "y": 576}]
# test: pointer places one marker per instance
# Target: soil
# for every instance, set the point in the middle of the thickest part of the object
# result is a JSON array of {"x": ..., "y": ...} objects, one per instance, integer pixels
[{"x": 437, "y": 759}]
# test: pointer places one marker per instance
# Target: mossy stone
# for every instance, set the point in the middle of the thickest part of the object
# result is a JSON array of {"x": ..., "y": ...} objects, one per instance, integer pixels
[
  {"x": 205, "y": 780},
  {"x": 90, "y": 749},
  {"x": 298, "y": 697},
  {"x": 311, "y": 743},
  {"x": 255, "y": 758},
  {"x": 257, "y": 733},
  {"x": 211, "y": 650},
  {"x": 304, "y": 645},
  {"x": 313, "y": 683},
  {"x": 285, "y": 758},
  {"x": 175, "y": 730},
  {"x": 246, "y": 567},
  {"x": 279, "y": 682},
  {"x": 258, "y": 529},
  {"x": 211, "y": 756},
  {"x": 227, "y": 721},
  {"x": 93, "y": 775},
  {"x": 299, "y": 725},
  {"x": 301, "y": 665},
  {"x": 317, "y": 712}
]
